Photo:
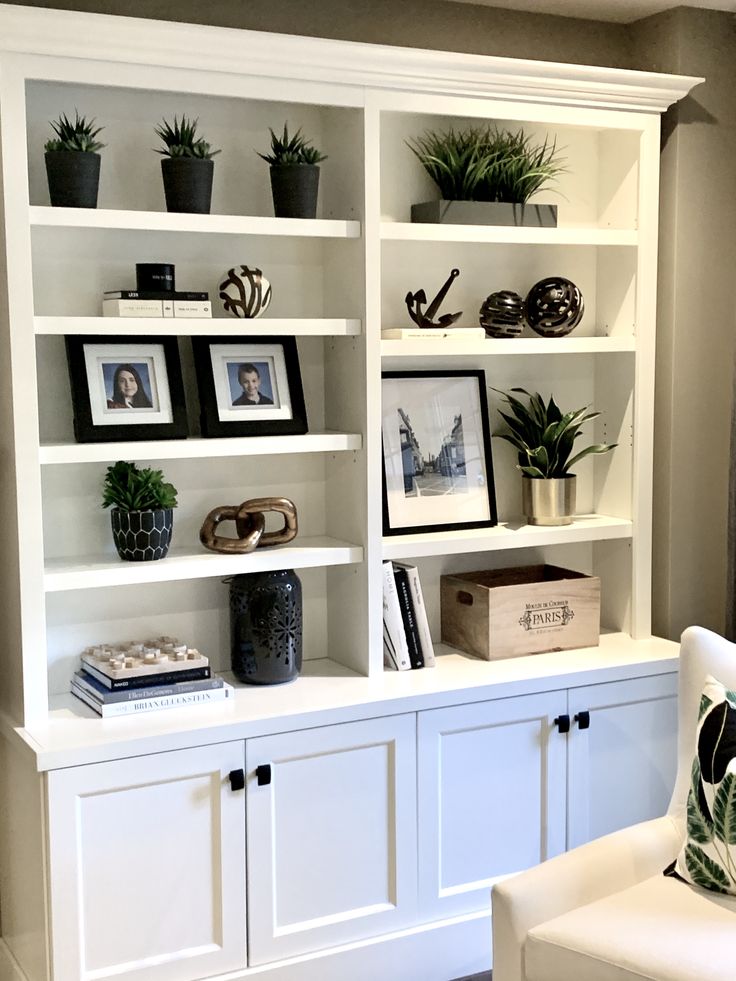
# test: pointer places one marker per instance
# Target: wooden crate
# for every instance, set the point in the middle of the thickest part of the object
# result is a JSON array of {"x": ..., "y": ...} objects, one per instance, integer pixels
[{"x": 528, "y": 610}]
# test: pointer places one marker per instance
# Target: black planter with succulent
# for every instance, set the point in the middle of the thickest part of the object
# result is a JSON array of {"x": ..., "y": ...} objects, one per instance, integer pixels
[
  {"x": 486, "y": 176},
  {"x": 142, "y": 512},
  {"x": 187, "y": 166},
  {"x": 544, "y": 437},
  {"x": 294, "y": 174},
  {"x": 73, "y": 162}
]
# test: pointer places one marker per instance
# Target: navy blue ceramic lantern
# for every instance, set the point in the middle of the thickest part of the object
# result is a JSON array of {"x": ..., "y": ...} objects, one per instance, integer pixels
[{"x": 266, "y": 627}]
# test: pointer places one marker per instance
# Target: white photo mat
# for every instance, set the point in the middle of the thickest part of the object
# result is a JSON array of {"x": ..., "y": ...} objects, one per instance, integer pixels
[
  {"x": 223, "y": 354},
  {"x": 97, "y": 355},
  {"x": 432, "y": 405}
]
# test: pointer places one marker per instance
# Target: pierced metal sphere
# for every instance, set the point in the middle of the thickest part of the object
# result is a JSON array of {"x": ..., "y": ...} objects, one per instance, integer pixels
[
  {"x": 554, "y": 306},
  {"x": 502, "y": 314}
]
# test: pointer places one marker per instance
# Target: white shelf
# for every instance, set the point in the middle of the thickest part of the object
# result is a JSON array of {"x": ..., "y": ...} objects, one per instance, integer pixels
[
  {"x": 178, "y": 326},
  {"x": 181, "y": 563},
  {"x": 329, "y": 693},
  {"x": 507, "y": 535},
  {"x": 492, "y": 346},
  {"x": 406, "y": 231},
  {"x": 199, "y": 449},
  {"x": 165, "y": 221}
]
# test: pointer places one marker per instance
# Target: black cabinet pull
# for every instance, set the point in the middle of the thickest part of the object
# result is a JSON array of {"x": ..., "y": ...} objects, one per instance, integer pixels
[
  {"x": 263, "y": 774},
  {"x": 583, "y": 720},
  {"x": 563, "y": 723},
  {"x": 237, "y": 779}
]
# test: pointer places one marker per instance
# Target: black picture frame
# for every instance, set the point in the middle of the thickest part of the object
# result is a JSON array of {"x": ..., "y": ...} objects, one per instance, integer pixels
[
  {"x": 222, "y": 364},
  {"x": 442, "y": 402},
  {"x": 155, "y": 362}
]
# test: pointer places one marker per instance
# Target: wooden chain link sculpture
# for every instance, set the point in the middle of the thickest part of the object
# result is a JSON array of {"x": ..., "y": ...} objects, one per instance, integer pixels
[{"x": 250, "y": 524}]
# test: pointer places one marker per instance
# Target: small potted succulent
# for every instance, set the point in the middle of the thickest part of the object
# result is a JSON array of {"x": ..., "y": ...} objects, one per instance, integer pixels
[
  {"x": 73, "y": 163},
  {"x": 294, "y": 174},
  {"x": 486, "y": 175},
  {"x": 187, "y": 166},
  {"x": 544, "y": 437},
  {"x": 142, "y": 511}
]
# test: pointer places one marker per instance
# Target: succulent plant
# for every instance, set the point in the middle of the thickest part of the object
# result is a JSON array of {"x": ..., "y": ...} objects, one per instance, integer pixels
[
  {"x": 78, "y": 136},
  {"x": 180, "y": 140},
  {"x": 483, "y": 163},
  {"x": 294, "y": 149},
  {"x": 130, "y": 489},
  {"x": 544, "y": 435}
]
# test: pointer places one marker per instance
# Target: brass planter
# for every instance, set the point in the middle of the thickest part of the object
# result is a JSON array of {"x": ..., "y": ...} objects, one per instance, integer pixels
[{"x": 548, "y": 501}]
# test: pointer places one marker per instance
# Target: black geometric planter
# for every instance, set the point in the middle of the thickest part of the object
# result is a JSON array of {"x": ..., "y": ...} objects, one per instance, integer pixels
[
  {"x": 266, "y": 627},
  {"x": 141, "y": 536},
  {"x": 188, "y": 184},
  {"x": 295, "y": 188},
  {"x": 74, "y": 177}
]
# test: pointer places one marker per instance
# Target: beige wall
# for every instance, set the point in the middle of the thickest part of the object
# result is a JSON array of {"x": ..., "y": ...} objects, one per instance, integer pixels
[
  {"x": 697, "y": 316},
  {"x": 412, "y": 23},
  {"x": 698, "y": 228}
]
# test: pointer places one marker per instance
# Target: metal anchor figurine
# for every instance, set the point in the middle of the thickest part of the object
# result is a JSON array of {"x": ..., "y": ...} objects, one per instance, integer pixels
[{"x": 415, "y": 302}]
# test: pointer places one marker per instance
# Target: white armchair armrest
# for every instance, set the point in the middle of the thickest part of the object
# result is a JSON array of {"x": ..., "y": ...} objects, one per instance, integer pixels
[{"x": 581, "y": 876}]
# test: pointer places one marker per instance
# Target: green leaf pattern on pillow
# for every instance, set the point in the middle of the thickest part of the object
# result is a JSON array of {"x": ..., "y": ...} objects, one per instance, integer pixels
[{"x": 708, "y": 857}]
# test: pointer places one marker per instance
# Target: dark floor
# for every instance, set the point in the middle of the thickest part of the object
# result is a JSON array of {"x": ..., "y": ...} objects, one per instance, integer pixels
[{"x": 485, "y": 976}]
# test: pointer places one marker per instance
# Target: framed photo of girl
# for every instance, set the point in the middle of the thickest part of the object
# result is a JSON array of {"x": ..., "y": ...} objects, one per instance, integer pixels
[
  {"x": 437, "y": 465},
  {"x": 126, "y": 388},
  {"x": 249, "y": 386}
]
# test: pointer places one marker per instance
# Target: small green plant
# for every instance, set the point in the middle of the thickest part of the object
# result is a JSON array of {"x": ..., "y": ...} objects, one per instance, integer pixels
[
  {"x": 544, "y": 436},
  {"x": 130, "y": 489},
  {"x": 180, "y": 140},
  {"x": 294, "y": 149},
  {"x": 483, "y": 163},
  {"x": 78, "y": 136}
]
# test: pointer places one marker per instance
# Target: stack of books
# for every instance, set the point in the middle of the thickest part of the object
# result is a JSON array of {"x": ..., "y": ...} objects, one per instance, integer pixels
[
  {"x": 406, "y": 639},
  {"x": 127, "y": 679},
  {"x": 165, "y": 303}
]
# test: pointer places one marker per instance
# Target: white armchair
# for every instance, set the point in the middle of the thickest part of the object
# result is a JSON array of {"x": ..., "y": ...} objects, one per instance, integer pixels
[{"x": 604, "y": 911}]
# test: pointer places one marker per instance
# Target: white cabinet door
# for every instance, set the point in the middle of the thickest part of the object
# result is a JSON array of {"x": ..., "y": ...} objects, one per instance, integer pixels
[
  {"x": 332, "y": 837},
  {"x": 491, "y": 796},
  {"x": 621, "y": 768},
  {"x": 147, "y": 867}
]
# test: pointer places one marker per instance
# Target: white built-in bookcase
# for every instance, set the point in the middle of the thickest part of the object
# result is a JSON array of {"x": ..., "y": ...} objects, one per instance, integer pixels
[{"x": 335, "y": 281}]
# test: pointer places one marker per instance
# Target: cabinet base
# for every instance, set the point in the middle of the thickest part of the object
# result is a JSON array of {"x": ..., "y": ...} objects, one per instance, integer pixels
[
  {"x": 454, "y": 948},
  {"x": 439, "y": 951}
]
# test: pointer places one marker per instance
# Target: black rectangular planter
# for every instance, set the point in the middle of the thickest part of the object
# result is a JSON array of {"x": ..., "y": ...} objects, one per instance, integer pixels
[{"x": 485, "y": 213}]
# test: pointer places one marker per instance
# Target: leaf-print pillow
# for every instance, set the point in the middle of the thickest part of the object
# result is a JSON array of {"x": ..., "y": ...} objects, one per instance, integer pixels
[{"x": 708, "y": 857}]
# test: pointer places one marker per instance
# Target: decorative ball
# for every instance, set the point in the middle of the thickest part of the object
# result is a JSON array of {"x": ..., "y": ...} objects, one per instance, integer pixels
[
  {"x": 245, "y": 292},
  {"x": 502, "y": 314},
  {"x": 554, "y": 306}
]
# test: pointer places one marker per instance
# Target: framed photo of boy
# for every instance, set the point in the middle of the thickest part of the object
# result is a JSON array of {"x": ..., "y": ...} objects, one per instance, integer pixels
[
  {"x": 249, "y": 386},
  {"x": 437, "y": 465},
  {"x": 126, "y": 388}
]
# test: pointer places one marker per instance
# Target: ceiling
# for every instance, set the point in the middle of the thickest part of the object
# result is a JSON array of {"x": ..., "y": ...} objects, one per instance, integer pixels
[{"x": 619, "y": 11}]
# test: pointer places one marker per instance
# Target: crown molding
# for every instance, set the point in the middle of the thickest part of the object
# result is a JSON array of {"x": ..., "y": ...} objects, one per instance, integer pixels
[{"x": 132, "y": 40}]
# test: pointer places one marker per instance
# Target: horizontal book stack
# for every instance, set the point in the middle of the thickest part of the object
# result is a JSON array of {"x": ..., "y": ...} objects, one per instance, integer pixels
[
  {"x": 132, "y": 678},
  {"x": 165, "y": 303},
  {"x": 406, "y": 639}
]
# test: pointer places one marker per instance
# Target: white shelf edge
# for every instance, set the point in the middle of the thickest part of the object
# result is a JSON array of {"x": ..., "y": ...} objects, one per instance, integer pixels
[
  {"x": 506, "y": 536},
  {"x": 492, "y": 346},
  {"x": 178, "y": 326},
  {"x": 197, "y": 448},
  {"x": 95, "y": 572},
  {"x": 406, "y": 231},
  {"x": 41, "y": 216},
  {"x": 328, "y": 693}
]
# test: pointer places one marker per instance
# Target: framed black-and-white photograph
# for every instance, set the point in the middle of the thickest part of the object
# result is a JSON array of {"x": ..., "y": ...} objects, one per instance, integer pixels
[
  {"x": 437, "y": 466},
  {"x": 126, "y": 388},
  {"x": 249, "y": 386}
]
